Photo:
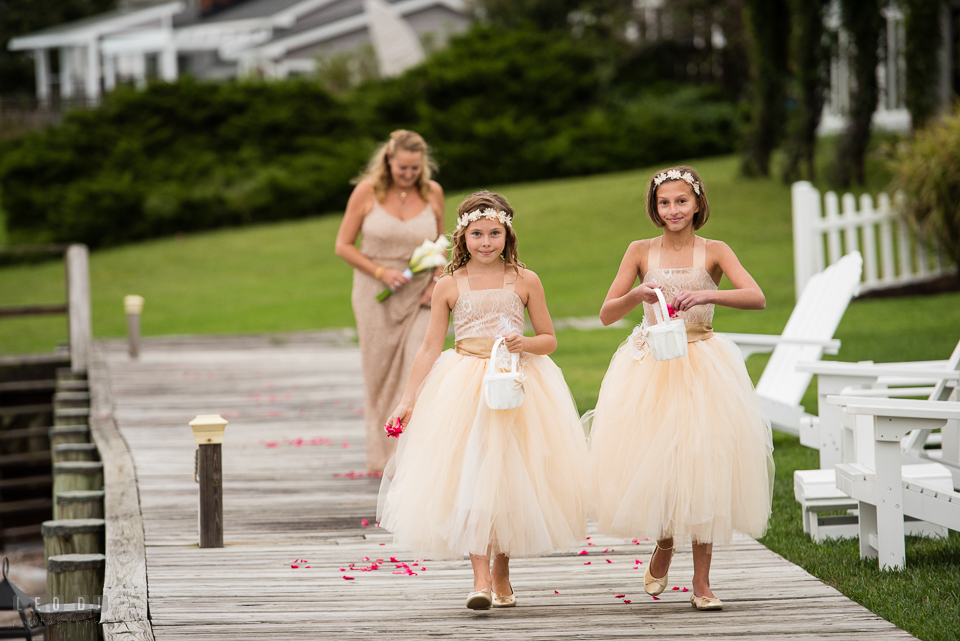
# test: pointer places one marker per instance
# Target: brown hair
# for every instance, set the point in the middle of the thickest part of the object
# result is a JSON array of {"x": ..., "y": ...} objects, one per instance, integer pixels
[
  {"x": 378, "y": 167},
  {"x": 703, "y": 205},
  {"x": 484, "y": 200}
]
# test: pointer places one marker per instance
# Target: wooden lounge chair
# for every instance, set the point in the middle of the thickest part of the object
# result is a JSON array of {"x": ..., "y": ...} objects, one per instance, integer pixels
[
  {"x": 884, "y": 497},
  {"x": 807, "y": 335},
  {"x": 840, "y": 441}
]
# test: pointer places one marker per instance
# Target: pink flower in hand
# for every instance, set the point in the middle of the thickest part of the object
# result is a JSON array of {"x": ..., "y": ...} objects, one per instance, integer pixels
[
  {"x": 671, "y": 311},
  {"x": 394, "y": 429}
]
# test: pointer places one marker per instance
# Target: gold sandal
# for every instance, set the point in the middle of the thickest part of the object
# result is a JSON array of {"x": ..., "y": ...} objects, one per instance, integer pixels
[{"x": 652, "y": 585}]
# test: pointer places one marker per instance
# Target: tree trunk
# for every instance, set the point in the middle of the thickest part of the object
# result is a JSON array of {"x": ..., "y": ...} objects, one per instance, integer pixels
[
  {"x": 862, "y": 19},
  {"x": 810, "y": 60},
  {"x": 922, "y": 56},
  {"x": 767, "y": 22}
]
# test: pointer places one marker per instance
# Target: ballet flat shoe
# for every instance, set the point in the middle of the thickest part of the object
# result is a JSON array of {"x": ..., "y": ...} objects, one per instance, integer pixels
[
  {"x": 480, "y": 600},
  {"x": 652, "y": 585},
  {"x": 706, "y": 602},
  {"x": 501, "y": 601}
]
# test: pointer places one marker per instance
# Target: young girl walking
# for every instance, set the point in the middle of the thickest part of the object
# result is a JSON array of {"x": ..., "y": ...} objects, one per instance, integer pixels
[
  {"x": 680, "y": 450},
  {"x": 467, "y": 478}
]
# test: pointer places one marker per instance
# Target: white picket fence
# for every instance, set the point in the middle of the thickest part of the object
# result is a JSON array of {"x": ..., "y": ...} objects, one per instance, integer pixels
[{"x": 892, "y": 254}]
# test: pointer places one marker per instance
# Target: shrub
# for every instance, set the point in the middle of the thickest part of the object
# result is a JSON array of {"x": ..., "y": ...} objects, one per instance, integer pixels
[
  {"x": 927, "y": 168},
  {"x": 182, "y": 157},
  {"x": 498, "y": 106}
]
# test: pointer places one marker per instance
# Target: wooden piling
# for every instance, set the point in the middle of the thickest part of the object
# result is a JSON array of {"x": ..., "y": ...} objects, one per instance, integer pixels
[
  {"x": 64, "y": 452},
  {"x": 71, "y": 621},
  {"x": 74, "y": 576},
  {"x": 73, "y": 536},
  {"x": 76, "y": 475},
  {"x": 71, "y": 416},
  {"x": 69, "y": 434},
  {"x": 79, "y": 504},
  {"x": 65, "y": 399}
]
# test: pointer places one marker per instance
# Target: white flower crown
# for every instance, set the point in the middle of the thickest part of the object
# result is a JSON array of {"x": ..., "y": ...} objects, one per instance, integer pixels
[
  {"x": 674, "y": 174},
  {"x": 477, "y": 214}
]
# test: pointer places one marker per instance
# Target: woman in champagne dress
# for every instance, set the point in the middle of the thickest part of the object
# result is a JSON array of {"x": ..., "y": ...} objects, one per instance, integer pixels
[{"x": 394, "y": 208}]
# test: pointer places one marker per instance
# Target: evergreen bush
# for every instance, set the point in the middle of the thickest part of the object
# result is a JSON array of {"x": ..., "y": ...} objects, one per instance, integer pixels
[
  {"x": 497, "y": 106},
  {"x": 927, "y": 168}
]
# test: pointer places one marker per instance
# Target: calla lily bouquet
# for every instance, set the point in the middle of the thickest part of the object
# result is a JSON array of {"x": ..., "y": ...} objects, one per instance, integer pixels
[{"x": 430, "y": 255}]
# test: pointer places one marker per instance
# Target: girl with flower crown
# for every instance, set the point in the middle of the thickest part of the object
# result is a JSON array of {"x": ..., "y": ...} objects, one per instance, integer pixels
[
  {"x": 467, "y": 478},
  {"x": 680, "y": 450}
]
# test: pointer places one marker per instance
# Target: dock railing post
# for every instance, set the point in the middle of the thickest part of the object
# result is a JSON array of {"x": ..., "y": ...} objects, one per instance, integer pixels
[
  {"x": 78, "y": 306},
  {"x": 133, "y": 305},
  {"x": 208, "y": 432}
]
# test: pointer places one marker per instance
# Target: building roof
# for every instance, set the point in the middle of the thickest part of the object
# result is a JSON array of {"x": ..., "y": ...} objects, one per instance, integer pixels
[{"x": 80, "y": 31}]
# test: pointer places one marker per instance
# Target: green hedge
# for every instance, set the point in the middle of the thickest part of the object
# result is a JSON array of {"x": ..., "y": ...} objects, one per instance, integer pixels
[{"x": 498, "y": 106}]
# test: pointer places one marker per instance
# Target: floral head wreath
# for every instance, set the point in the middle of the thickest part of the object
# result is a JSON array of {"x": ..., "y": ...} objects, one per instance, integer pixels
[
  {"x": 674, "y": 174},
  {"x": 477, "y": 214}
]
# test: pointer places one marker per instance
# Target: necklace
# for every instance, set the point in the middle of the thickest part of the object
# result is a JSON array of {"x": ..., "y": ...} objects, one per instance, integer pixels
[{"x": 403, "y": 200}]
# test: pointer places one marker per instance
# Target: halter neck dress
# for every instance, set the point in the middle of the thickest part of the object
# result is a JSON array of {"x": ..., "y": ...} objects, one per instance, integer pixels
[
  {"x": 466, "y": 478},
  {"x": 390, "y": 333},
  {"x": 680, "y": 447}
]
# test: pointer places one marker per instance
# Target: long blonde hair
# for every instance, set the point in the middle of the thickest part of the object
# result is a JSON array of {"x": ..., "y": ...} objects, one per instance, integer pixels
[
  {"x": 378, "y": 167},
  {"x": 484, "y": 200}
]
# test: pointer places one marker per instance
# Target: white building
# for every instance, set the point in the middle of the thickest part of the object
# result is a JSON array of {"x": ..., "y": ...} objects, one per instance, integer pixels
[{"x": 270, "y": 38}]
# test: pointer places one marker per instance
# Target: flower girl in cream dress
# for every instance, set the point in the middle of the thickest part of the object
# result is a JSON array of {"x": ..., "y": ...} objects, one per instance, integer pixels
[
  {"x": 680, "y": 450},
  {"x": 467, "y": 478}
]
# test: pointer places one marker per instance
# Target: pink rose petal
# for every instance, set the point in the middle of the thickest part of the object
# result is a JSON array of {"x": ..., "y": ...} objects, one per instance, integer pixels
[
  {"x": 556, "y": 591},
  {"x": 588, "y": 562},
  {"x": 364, "y": 523},
  {"x": 619, "y": 596},
  {"x": 583, "y": 553},
  {"x": 609, "y": 561},
  {"x": 674, "y": 588},
  {"x": 685, "y": 590},
  {"x": 629, "y": 601},
  {"x": 656, "y": 598},
  {"x": 350, "y": 578}
]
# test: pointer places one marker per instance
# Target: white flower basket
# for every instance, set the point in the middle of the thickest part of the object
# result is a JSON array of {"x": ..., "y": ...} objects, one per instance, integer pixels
[
  {"x": 668, "y": 338},
  {"x": 502, "y": 390}
]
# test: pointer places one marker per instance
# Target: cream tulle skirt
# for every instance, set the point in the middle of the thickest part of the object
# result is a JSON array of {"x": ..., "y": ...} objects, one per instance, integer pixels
[
  {"x": 680, "y": 447},
  {"x": 466, "y": 478}
]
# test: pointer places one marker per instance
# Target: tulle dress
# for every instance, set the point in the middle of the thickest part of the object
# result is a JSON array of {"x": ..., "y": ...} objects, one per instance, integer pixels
[
  {"x": 466, "y": 478},
  {"x": 680, "y": 447}
]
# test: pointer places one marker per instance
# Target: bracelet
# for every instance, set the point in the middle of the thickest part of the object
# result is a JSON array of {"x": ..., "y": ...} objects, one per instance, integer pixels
[{"x": 378, "y": 272}]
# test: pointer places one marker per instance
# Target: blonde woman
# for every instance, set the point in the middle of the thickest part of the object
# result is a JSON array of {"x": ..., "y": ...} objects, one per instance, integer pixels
[{"x": 394, "y": 208}]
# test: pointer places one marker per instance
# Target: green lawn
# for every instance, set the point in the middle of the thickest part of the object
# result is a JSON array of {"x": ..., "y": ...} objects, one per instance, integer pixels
[{"x": 573, "y": 232}]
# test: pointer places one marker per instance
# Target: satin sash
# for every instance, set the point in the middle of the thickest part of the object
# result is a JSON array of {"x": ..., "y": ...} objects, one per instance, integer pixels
[
  {"x": 698, "y": 332},
  {"x": 477, "y": 347}
]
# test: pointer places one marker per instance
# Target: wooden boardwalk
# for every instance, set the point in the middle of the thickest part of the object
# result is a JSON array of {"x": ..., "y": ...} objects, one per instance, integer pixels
[{"x": 294, "y": 438}]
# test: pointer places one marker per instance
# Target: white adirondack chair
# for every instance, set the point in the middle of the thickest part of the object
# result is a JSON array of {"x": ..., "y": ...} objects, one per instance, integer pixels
[
  {"x": 841, "y": 441},
  {"x": 807, "y": 335},
  {"x": 883, "y": 496},
  {"x": 935, "y": 380}
]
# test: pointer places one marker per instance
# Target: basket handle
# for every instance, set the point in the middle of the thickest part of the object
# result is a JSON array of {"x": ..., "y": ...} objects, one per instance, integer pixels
[
  {"x": 661, "y": 304},
  {"x": 514, "y": 358}
]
